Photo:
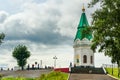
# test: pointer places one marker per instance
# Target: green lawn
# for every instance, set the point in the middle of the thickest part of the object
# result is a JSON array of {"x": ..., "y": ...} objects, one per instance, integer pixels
[
  {"x": 17, "y": 78},
  {"x": 50, "y": 76},
  {"x": 115, "y": 71},
  {"x": 54, "y": 76}
]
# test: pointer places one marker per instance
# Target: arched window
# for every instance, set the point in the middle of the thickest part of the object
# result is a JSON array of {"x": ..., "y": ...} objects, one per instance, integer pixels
[
  {"x": 84, "y": 59},
  {"x": 77, "y": 60},
  {"x": 91, "y": 59}
]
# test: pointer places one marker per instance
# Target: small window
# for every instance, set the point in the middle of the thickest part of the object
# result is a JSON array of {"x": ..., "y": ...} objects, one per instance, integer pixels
[
  {"x": 77, "y": 60},
  {"x": 84, "y": 59},
  {"x": 91, "y": 59}
]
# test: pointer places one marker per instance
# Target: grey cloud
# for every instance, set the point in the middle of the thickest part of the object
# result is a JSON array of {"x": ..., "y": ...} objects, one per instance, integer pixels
[
  {"x": 44, "y": 33},
  {"x": 3, "y": 16},
  {"x": 54, "y": 22},
  {"x": 39, "y": 1}
]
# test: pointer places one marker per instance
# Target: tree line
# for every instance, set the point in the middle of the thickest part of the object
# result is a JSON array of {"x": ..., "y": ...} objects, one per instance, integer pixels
[{"x": 20, "y": 53}]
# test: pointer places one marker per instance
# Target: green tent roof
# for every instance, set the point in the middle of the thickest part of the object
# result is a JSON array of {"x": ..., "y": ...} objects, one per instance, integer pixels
[{"x": 83, "y": 25}]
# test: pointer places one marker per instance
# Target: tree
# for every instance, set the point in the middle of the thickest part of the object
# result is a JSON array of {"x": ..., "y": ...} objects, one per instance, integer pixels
[
  {"x": 2, "y": 36},
  {"x": 106, "y": 29},
  {"x": 21, "y": 54}
]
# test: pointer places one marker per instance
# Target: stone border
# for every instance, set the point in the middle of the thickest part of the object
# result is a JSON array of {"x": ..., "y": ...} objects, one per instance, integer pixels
[
  {"x": 113, "y": 77},
  {"x": 68, "y": 77},
  {"x": 104, "y": 70}
]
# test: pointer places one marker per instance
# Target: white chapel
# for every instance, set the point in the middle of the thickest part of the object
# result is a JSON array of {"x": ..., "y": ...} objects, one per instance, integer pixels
[{"x": 83, "y": 55}]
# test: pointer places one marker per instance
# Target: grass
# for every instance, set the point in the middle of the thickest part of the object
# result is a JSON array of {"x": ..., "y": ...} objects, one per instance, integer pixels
[
  {"x": 54, "y": 76},
  {"x": 17, "y": 78},
  {"x": 115, "y": 72},
  {"x": 50, "y": 76}
]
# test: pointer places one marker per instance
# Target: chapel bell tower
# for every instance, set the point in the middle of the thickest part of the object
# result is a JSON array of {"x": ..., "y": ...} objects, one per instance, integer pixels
[{"x": 83, "y": 55}]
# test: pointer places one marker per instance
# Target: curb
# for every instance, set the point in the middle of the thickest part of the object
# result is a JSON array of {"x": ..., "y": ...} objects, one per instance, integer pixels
[
  {"x": 68, "y": 77},
  {"x": 113, "y": 77}
]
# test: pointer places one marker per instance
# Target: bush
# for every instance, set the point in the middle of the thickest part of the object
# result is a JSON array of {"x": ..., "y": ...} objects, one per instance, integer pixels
[
  {"x": 1, "y": 76},
  {"x": 42, "y": 77},
  {"x": 53, "y": 76}
]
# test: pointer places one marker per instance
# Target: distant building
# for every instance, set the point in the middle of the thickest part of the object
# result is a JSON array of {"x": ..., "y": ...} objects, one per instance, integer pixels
[{"x": 83, "y": 55}]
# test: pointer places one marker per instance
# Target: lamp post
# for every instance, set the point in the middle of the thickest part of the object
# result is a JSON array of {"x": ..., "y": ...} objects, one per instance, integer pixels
[
  {"x": 55, "y": 58},
  {"x": 40, "y": 63}
]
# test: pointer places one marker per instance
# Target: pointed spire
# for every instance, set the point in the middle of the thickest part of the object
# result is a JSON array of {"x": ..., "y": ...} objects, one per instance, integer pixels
[
  {"x": 83, "y": 24},
  {"x": 83, "y": 9}
]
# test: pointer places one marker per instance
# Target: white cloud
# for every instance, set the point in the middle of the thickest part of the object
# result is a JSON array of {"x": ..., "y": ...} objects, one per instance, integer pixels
[{"x": 101, "y": 59}]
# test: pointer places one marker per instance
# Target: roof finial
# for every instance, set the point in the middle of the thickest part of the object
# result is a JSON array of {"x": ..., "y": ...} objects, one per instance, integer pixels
[{"x": 83, "y": 9}]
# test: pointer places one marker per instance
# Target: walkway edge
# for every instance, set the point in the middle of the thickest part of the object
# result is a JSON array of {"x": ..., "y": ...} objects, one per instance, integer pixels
[
  {"x": 68, "y": 77},
  {"x": 113, "y": 77}
]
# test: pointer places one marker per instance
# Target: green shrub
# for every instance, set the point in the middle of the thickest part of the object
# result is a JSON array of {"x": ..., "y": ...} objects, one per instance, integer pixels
[
  {"x": 54, "y": 76},
  {"x": 1, "y": 75},
  {"x": 42, "y": 77}
]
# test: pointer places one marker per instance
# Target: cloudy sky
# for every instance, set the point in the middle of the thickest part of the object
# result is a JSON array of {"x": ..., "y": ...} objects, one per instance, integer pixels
[{"x": 46, "y": 27}]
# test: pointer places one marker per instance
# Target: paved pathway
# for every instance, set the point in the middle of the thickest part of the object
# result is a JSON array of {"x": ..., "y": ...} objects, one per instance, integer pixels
[
  {"x": 90, "y": 77},
  {"x": 25, "y": 73}
]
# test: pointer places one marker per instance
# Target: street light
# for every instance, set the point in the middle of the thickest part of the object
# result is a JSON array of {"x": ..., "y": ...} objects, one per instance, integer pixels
[
  {"x": 40, "y": 63},
  {"x": 54, "y": 61}
]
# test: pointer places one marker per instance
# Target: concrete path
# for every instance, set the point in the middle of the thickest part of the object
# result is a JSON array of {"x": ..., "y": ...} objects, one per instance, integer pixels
[
  {"x": 25, "y": 73},
  {"x": 90, "y": 77}
]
